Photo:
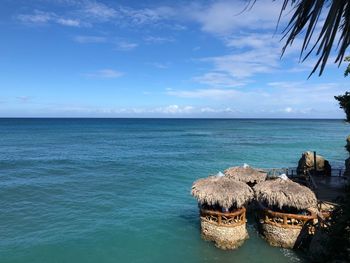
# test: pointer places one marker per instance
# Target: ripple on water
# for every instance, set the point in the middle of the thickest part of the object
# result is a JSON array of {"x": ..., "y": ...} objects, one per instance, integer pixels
[{"x": 106, "y": 190}]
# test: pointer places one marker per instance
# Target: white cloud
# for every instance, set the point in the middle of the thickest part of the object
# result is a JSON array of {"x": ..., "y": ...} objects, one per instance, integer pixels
[
  {"x": 68, "y": 22},
  {"x": 178, "y": 27},
  {"x": 245, "y": 64},
  {"x": 158, "y": 40},
  {"x": 293, "y": 98},
  {"x": 218, "y": 79},
  {"x": 226, "y": 17},
  {"x": 38, "y": 17},
  {"x": 99, "y": 11},
  {"x": 146, "y": 15},
  {"x": 159, "y": 65},
  {"x": 90, "y": 39},
  {"x": 173, "y": 109},
  {"x": 126, "y": 46},
  {"x": 217, "y": 110},
  {"x": 249, "y": 54},
  {"x": 288, "y": 109},
  {"x": 122, "y": 45},
  {"x": 23, "y": 99},
  {"x": 105, "y": 73},
  {"x": 253, "y": 41},
  {"x": 42, "y": 18},
  {"x": 216, "y": 94}
]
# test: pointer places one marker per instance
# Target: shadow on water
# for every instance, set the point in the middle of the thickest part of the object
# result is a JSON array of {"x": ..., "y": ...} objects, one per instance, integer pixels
[{"x": 190, "y": 216}]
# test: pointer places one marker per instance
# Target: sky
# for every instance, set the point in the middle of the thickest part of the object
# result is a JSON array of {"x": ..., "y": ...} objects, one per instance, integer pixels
[{"x": 182, "y": 59}]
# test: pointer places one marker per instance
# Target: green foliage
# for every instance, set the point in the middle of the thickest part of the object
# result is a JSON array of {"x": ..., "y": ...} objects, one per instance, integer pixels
[
  {"x": 347, "y": 71},
  {"x": 339, "y": 231},
  {"x": 344, "y": 100},
  {"x": 344, "y": 103},
  {"x": 329, "y": 20}
]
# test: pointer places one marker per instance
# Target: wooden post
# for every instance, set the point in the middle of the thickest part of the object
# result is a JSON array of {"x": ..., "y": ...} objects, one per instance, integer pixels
[
  {"x": 315, "y": 165},
  {"x": 219, "y": 219},
  {"x": 284, "y": 220}
]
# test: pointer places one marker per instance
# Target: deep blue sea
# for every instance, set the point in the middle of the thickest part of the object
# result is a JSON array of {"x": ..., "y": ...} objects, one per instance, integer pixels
[{"x": 118, "y": 190}]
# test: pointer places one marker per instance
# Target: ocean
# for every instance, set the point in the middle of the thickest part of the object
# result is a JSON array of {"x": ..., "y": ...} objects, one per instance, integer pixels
[{"x": 118, "y": 190}]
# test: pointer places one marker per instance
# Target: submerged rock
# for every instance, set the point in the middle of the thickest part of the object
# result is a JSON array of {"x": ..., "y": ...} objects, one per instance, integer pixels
[{"x": 306, "y": 163}]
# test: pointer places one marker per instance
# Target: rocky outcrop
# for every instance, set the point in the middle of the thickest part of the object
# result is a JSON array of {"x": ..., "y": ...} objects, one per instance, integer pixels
[
  {"x": 347, "y": 161},
  {"x": 306, "y": 163},
  {"x": 347, "y": 146},
  {"x": 347, "y": 167},
  {"x": 319, "y": 246}
]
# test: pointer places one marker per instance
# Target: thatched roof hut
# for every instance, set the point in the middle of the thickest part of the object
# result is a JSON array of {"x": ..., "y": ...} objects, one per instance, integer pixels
[
  {"x": 223, "y": 191},
  {"x": 226, "y": 228},
  {"x": 285, "y": 193},
  {"x": 246, "y": 174}
]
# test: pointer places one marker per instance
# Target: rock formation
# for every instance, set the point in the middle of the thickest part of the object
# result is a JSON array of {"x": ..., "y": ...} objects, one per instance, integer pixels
[{"x": 306, "y": 163}]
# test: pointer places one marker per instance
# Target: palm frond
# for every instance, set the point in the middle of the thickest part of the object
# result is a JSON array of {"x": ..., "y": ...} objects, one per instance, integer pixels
[{"x": 306, "y": 18}]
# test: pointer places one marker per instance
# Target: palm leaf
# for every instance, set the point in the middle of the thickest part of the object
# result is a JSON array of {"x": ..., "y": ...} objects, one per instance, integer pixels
[{"x": 307, "y": 15}]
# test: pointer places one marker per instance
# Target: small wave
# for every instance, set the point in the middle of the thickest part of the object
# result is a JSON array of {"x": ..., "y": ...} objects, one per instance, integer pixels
[
  {"x": 197, "y": 134},
  {"x": 290, "y": 254}
]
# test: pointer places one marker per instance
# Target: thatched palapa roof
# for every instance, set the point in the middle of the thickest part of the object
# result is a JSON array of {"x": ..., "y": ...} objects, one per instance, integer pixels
[
  {"x": 284, "y": 192},
  {"x": 221, "y": 190},
  {"x": 246, "y": 174}
]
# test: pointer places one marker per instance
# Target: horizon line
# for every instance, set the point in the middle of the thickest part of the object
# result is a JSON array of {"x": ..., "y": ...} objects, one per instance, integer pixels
[{"x": 212, "y": 118}]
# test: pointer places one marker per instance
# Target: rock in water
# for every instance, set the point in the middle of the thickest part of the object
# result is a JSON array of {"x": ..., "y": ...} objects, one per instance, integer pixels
[
  {"x": 347, "y": 146},
  {"x": 347, "y": 167},
  {"x": 347, "y": 161},
  {"x": 306, "y": 163}
]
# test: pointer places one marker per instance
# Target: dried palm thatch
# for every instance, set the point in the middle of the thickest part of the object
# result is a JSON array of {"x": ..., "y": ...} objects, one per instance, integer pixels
[
  {"x": 246, "y": 174},
  {"x": 285, "y": 193},
  {"x": 221, "y": 190}
]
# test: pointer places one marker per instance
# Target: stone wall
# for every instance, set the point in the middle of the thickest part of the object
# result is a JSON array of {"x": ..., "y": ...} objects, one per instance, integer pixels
[
  {"x": 223, "y": 236},
  {"x": 280, "y": 237}
]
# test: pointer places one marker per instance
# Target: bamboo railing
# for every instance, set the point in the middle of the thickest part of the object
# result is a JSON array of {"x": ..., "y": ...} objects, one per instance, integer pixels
[
  {"x": 227, "y": 219},
  {"x": 286, "y": 220}
]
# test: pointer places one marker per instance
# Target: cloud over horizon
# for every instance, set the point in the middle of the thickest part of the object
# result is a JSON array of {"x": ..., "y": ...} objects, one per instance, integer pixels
[{"x": 214, "y": 55}]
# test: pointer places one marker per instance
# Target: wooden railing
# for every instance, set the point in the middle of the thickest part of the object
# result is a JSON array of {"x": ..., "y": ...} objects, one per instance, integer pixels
[
  {"x": 326, "y": 208},
  {"x": 292, "y": 171},
  {"x": 312, "y": 184},
  {"x": 228, "y": 219},
  {"x": 286, "y": 220}
]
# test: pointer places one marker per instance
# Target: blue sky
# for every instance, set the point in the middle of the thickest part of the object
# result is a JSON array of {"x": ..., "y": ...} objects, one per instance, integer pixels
[{"x": 87, "y": 58}]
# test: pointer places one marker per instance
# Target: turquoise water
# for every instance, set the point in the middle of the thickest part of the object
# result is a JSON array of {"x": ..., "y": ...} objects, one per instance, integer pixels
[{"x": 118, "y": 190}]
